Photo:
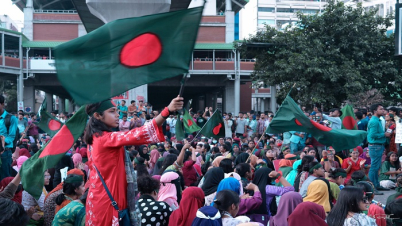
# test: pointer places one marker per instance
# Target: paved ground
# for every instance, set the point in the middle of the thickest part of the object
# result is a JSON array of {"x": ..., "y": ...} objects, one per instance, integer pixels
[{"x": 383, "y": 198}]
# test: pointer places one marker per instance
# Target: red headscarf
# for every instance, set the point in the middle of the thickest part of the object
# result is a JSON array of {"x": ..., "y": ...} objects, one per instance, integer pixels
[
  {"x": 18, "y": 195},
  {"x": 193, "y": 198},
  {"x": 83, "y": 152},
  {"x": 307, "y": 213},
  {"x": 25, "y": 152}
]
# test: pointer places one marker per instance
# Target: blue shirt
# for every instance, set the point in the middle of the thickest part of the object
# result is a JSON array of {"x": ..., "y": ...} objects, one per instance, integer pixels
[
  {"x": 10, "y": 136},
  {"x": 375, "y": 131},
  {"x": 122, "y": 108},
  {"x": 336, "y": 122}
]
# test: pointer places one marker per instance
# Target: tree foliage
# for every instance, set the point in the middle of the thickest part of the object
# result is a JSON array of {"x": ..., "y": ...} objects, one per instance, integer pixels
[{"x": 332, "y": 57}]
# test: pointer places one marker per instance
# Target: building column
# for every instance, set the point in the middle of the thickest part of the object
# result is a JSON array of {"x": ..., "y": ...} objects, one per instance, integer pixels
[
  {"x": 28, "y": 20},
  {"x": 273, "y": 99},
  {"x": 229, "y": 98},
  {"x": 237, "y": 84},
  {"x": 29, "y": 97},
  {"x": 49, "y": 102},
  {"x": 70, "y": 106},
  {"x": 62, "y": 105},
  {"x": 262, "y": 108}
]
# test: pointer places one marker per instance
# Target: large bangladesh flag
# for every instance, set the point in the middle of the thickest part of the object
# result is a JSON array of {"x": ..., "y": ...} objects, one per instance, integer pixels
[
  {"x": 32, "y": 171},
  {"x": 291, "y": 118},
  {"x": 348, "y": 118},
  {"x": 214, "y": 127},
  {"x": 127, "y": 53},
  {"x": 48, "y": 123}
]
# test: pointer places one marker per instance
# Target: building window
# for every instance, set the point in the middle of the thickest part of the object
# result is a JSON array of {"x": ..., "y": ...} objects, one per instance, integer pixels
[
  {"x": 267, "y": 22},
  {"x": 285, "y": 10},
  {"x": 266, "y": 9}
]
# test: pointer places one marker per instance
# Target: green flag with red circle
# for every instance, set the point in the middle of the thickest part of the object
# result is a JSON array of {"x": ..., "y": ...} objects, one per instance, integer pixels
[
  {"x": 348, "y": 118},
  {"x": 32, "y": 171},
  {"x": 189, "y": 123},
  {"x": 48, "y": 123},
  {"x": 127, "y": 53},
  {"x": 214, "y": 127},
  {"x": 290, "y": 117}
]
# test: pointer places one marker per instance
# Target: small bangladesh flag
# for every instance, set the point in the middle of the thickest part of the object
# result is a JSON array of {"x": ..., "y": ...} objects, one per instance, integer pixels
[
  {"x": 291, "y": 118},
  {"x": 214, "y": 127},
  {"x": 32, "y": 171},
  {"x": 189, "y": 123},
  {"x": 179, "y": 128},
  {"x": 48, "y": 123},
  {"x": 348, "y": 118},
  {"x": 127, "y": 53}
]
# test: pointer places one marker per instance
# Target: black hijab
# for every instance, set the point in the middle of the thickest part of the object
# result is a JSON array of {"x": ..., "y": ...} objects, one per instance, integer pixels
[
  {"x": 242, "y": 158},
  {"x": 145, "y": 156},
  {"x": 261, "y": 179},
  {"x": 212, "y": 179}
]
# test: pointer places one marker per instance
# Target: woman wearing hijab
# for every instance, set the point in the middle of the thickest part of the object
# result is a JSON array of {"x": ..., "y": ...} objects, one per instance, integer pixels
[
  {"x": 77, "y": 159},
  {"x": 291, "y": 177},
  {"x": 317, "y": 192},
  {"x": 307, "y": 213},
  {"x": 192, "y": 200},
  {"x": 247, "y": 204},
  {"x": 168, "y": 190},
  {"x": 262, "y": 179},
  {"x": 207, "y": 216},
  {"x": 143, "y": 151},
  {"x": 242, "y": 158},
  {"x": 25, "y": 152},
  {"x": 153, "y": 159},
  {"x": 18, "y": 194},
  {"x": 287, "y": 204},
  {"x": 286, "y": 164},
  {"x": 211, "y": 181}
]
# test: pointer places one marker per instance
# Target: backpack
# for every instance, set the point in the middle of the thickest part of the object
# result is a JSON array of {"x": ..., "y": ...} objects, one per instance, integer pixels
[{"x": 7, "y": 123}]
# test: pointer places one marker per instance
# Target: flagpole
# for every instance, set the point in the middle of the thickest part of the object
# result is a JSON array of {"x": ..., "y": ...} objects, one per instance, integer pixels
[
  {"x": 252, "y": 152},
  {"x": 203, "y": 126}
]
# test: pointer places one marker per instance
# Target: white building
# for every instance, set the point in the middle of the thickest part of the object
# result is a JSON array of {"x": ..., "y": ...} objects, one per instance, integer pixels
[
  {"x": 280, "y": 13},
  {"x": 7, "y": 23}
]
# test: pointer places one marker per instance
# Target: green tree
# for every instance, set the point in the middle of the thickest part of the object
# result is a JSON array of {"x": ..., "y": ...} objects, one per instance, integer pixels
[{"x": 331, "y": 57}]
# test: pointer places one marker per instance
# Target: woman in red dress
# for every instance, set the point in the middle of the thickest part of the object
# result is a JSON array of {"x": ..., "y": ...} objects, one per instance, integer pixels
[
  {"x": 106, "y": 152},
  {"x": 352, "y": 164}
]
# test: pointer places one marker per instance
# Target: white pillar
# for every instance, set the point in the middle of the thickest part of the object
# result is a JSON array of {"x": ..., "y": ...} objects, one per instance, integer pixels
[
  {"x": 229, "y": 98},
  {"x": 29, "y": 97},
  {"x": 237, "y": 84},
  {"x": 70, "y": 106},
  {"x": 262, "y": 109},
  {"x": 273, "y": 99},
  {"x": 28, "y": 20},
  {"x": 49, "y": 102}
]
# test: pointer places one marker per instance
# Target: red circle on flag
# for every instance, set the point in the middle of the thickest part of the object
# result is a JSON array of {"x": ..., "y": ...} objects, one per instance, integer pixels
[
  {"x": 217, "y": 129},
  {"x": 142, "y": 50},
  {"x": 189, "y": 122},
  {"x": 298, "y": 122},
  {"x": 54, "y": 125},
  {"x": 320, "y": 127},
  {"x": 349, "y": 122},
  {"x": 59, "y": 144}
]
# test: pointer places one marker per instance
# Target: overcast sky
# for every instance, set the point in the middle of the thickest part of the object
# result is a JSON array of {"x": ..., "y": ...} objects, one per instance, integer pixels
[{"x": 7, "y": 8}]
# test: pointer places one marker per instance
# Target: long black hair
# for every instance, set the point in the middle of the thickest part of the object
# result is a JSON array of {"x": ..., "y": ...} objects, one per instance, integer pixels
[
  {"x": 395, "y": 164},
  {"x": 348, "y": 201},
  {"x": 226, "y": 165},
  {"x": 94, "y": 126},
  {"x": 304, "y": 166},
  {"x": 168, "y": 161}
]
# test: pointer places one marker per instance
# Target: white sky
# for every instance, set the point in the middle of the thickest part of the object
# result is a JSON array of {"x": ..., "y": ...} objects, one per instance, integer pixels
[{"x": 7, "y": 8}]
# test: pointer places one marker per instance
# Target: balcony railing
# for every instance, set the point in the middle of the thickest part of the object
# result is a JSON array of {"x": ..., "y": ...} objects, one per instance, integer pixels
[
  {"x": 226, "y": 64},
  {"x": 55, "y": 11}
]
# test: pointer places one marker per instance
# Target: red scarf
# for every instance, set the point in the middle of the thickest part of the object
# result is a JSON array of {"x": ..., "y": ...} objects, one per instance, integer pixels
[{"x": 193, "y": 199}]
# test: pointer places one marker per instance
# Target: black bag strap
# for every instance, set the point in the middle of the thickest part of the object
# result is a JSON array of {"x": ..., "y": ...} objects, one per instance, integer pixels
[{"x": 114, "y": 203}]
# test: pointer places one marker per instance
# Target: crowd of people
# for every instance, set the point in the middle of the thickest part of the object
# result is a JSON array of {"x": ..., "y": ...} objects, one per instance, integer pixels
[{"x": 129, "y": 167}]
